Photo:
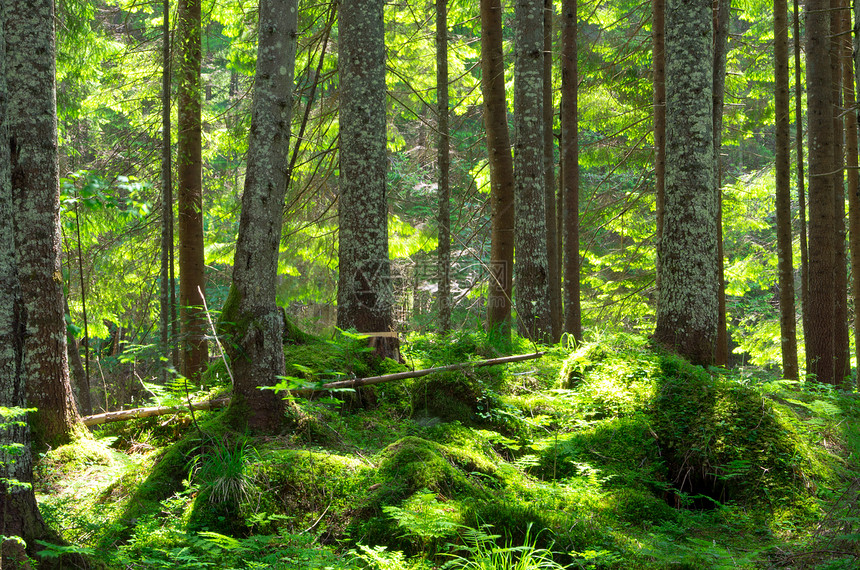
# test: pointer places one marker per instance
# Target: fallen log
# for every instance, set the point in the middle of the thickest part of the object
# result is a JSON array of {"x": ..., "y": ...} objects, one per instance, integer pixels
[{"x": 123, "y": 415}]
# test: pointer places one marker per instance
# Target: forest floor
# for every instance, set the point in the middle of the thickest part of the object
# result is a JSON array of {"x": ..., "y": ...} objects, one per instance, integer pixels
[{"x": 607, "y": 455}]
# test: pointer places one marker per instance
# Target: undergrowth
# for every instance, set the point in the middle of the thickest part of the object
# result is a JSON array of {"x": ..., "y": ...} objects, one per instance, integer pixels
[{"x": 605, "y": 455}]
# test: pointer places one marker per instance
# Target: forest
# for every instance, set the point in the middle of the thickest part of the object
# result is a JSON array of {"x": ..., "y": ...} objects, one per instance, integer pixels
[{"x": 416, "y": 285}]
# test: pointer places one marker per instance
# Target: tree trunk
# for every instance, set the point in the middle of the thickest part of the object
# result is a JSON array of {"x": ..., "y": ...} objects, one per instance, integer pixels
[
  {"x": 364, "y": 297},
  {"x": 32, "y": 123},
  {"x": 501, "y": 171},
  {"x": 190, "y": 188},
  {"x": 165, "y": 285},
  {"x": 788, "y": 333},
  {"x": 552, "y": 228},
  {"x": 531, "y": 267},
  {"x": 444, "y": 162},
  {"x": 721, "y": 36},
  {"x": 822, "y": 239},
  {"x": 841, "y": 349},
  {"x": 19, "y": 513},
  {"x": 687, "y": 308},
  {"x": 850, "y": 70},
  {"x": 570, "y": 169},
  {"x": 801, "y": 179},
  {"x": 257, "y": 353},
  {"x": 658, "y": 56}
]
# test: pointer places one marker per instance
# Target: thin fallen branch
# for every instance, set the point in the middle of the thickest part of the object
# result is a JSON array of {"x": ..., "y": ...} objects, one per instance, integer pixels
[
  {"x": 124, "y": 415},
  {"x": 358, "y": 382}
]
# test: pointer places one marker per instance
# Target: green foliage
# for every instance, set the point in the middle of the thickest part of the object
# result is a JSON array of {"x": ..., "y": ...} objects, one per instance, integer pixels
[{"x": 483, "y": 553}]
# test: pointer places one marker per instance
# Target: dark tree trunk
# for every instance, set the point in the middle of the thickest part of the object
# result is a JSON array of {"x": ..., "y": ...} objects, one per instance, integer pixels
[
  {"x": 822, "y": 239},
  {"x": 841, "y": 349},
  {"x": 801, "y": 179},
  {"x": 32, "y": 123},
  {"x": 532, "y": 266},
  {"x": 570, "y": 169},
  {"x": 501, "y": 171},
  {"x": 687, "y": 308},
  {"x": 784, "y": 246},
  {"x": 552, "y": 228},
  {"x": 192, "y": 283},
  {"x": 257, "y": 355},
  {"x": 850, "y": 72},
  {"x": 166, "y": 285},
  {"x": 365, "y": 296},
  {"x": 444, "y": 162}
]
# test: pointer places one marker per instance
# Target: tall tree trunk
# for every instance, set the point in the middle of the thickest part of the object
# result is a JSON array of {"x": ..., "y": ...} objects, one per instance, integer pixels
[
  {"x": 687, "y": 308},
  {"x": 801, "y": 178},
  {"x": 788, "y": 333},
  {"x": 532, "y": 266},
  {"x": 444, "y": 162},
  {"x": 841, "y": 349},
  {"x": 501, "y": 171},
  {"x": 721, "y": 38},
  {"x": 658, "y": 57},
  {"x": 166, "y": 195},
  {"x": 32, "y": 123},
  {"x": 552, "y": 228},
  {"x": 257, "y": 329},
  {"x": 190, "y": 188},
  {"x": 822, "y": 239},
  {"x": 365, "y": 297},
  {"x": 570, "y": 168},
  {"x": 850, "y": 70}
]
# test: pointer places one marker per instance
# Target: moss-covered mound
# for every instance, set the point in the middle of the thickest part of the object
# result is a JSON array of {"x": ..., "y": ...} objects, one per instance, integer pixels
[{"x": 690, "y": 436}]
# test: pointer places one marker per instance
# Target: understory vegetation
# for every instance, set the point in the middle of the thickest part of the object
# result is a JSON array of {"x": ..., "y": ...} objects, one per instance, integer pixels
[{"x": 610, "y": 454}]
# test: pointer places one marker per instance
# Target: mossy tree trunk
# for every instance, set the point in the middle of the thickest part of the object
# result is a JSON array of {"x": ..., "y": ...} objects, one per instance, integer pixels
[
  {"x": 501, "y": 171},
  {"x": 687, "y": 308},
  {"x": 190, "y": 190},
  {"x": 444, "y": 165},
  {"x": 257, "y": 353},
  {"x": 788, "y": 332},
  {"x": 32, "y": 130},
  {"x": 364, "y": 296},
  {"x": 820, "y": 304},
  {"x": 570, "y": 169},
  {"x": 165, "y": 282},
  {"x": 19, "y": 513},
  {"x": 532, "y": 266}
]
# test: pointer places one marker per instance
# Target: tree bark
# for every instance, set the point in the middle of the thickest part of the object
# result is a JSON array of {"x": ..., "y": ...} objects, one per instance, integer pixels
[
  {"x": 365, "y": 295},
  {"x": 850, "y": 70},
  {"x": 166, "y": 284},
  {"x": 841, "y": 349},
  {"x": 257, "y": 352},
  {"x": 532, "y": 266},
  {"x": 444, "y": 165},
  {"x": 722, "y": 12},
  {"x": 570, "y": 169},
  {"x": 788, "y": 332},
  {"x": 19, "y": 513},
  {"x": 687, "y": 308},
  {"x": 501, "y": 172},
  {"x": 32, "y": 124},
  {"x": 658, "y": 56},
  {"x": 801, "y": 178},
  {"x": 192, "y": 284},
  {"x": 552, "y": 229},
  {"x": 822, "y": 239}
]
